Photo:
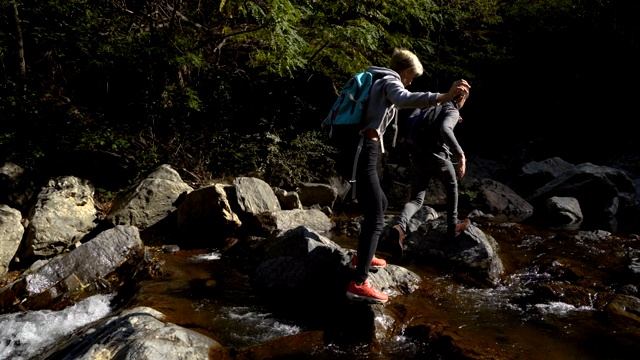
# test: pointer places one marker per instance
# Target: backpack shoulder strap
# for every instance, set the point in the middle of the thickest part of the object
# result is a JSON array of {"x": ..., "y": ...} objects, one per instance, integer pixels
[{"x": 435, "y": 112}]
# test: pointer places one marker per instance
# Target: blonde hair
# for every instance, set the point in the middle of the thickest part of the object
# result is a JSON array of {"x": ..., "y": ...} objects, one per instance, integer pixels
[{"x": 404, "y": 59}]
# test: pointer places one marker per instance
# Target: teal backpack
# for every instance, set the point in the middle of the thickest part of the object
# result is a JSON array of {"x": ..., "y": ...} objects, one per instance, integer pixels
[
  {"x": 345, "y": 122},
  {"x": 351, "y": 102}
]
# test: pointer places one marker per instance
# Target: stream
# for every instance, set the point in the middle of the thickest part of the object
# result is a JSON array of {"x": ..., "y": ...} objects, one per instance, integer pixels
[{"x": 199, "y": 290}]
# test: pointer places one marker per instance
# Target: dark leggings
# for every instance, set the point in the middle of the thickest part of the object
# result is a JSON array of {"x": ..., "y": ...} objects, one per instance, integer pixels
[
  {"x": 424, "y": 168},
  {"x": 373, "y": 203}
]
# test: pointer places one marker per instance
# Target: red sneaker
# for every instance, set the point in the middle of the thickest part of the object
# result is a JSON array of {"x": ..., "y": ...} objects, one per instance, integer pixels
[
  {"x": 461, "y": 226},
  {"x": 375, "y": 262},
  {"x": 366, "y": 292}
]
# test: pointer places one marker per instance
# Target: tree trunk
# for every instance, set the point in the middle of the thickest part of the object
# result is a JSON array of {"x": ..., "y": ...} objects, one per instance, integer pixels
[{"x": 23, "y": 63}]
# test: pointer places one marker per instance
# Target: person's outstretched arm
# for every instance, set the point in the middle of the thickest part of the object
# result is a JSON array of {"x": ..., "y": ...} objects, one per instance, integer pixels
[
  {"x": 459, "y": 86},
  {"x": 446, "y": 132}
]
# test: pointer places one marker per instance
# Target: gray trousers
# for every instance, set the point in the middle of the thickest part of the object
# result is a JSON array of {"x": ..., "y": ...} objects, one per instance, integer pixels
[{"x": 424, "y": 168}]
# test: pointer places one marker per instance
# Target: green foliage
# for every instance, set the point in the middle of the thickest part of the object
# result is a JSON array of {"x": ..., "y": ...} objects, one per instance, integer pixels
[
  {"x": 350, "y": 37},
  {"x": 236, "y": 87},
  {"x": 103, "y": 195},
  {"x": 281, "y": 53},
  {"x": 282, "y": 164},
  {"x": 306, "y": 159}
]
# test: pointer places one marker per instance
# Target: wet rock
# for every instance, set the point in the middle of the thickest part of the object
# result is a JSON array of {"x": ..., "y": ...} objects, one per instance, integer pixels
[
  {"x": 557, "y": 291},
  {"x": 472, "y": 250},
  {"x": 302, "y": 266},
  {"x": 593, "y": 235},
  {"x": 80, "y": 272},
  {"x": 171, "y": 249},
  {"x": 625, "y": 309},
  {"x": 444, "y": 342},
  {"x": 138, "y": 333}
]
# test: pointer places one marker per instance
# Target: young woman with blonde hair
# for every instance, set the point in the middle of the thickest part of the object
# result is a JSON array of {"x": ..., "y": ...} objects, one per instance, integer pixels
[{"x": 388, "y": 94}]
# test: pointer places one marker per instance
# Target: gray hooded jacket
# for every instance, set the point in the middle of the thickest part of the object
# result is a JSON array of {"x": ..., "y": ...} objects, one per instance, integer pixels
[{"x": 388, "y": 94}]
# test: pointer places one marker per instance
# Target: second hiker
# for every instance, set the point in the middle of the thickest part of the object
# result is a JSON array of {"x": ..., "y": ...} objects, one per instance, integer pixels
[{"x": 435, "y": 154}]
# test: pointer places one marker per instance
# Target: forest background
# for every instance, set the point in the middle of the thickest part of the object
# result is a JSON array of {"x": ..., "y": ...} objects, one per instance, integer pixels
[{"x": 223, "y": 88}]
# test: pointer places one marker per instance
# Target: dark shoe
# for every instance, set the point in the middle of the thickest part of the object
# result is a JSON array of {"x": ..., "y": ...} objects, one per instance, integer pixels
[
  {"x": 375, "y": 262},
  {"x": 366, "y": 292},
  {"x": 461, "y": 226},
  {"x": 396, "y": 240}
]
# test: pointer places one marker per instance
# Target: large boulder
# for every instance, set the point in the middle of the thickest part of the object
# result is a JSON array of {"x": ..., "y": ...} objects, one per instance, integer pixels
[
  {"x": 564, "y": 211},
  {"x": 301, "y": 266},
  {"x": 283, "y": 220},
  {"x": 206, "y": 213},
  {"x": 63, "y": 214},
  {"x": 536, "y": 174},
  {"x": 254, "y": 196},
  {"x": 138, "y": 333},
  {"x": 11, "y": 231},
  {"x": 316, "y": 193},
  {"x": 150, "y": 200},
  {"x": 81, "y": 272},
  {"x": 17, "y": 186},
  {"x": 472, "y": 252},
  {"x": 493, "y": 197},
  {"x": 601, "y": 191}
]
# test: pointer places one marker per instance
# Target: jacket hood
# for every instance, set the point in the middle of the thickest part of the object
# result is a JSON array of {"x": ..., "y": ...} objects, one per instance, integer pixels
[{"x": 378, "y": 70}]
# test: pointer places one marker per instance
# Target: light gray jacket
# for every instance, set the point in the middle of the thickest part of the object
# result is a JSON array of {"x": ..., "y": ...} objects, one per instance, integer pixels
[{"x": 387, "y": 96}]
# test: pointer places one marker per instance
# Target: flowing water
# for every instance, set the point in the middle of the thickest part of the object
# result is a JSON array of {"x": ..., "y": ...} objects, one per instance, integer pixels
[
  {"x": 200, "y": 291},
  {"x": 23, "y": 335}
]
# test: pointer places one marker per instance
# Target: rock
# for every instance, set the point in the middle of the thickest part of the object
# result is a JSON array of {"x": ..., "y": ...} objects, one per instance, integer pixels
[
  {"x": 496, "y": 198},
  {"x": 82, "y": 271},
  {"x": 601, "y": 191},
  {"x": 564, "y": 210},
  {"x": 150, "y": 200},
  {"x": 17, "y": 187},
  {"x": 11, "y": 231},
  {"x": 316, "y": 193},
  {"x": 283, "y": 220},
  {"x": 289, "y": 200},
  {"x": 254, "y": 196},
  {"x": 137, "y": 333},
  {"x": 63, "y": 214},
  {"x": 206, "y": 213},
  {"x": 472, "y": 250},
  {"x": 300, "y": 263}
]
